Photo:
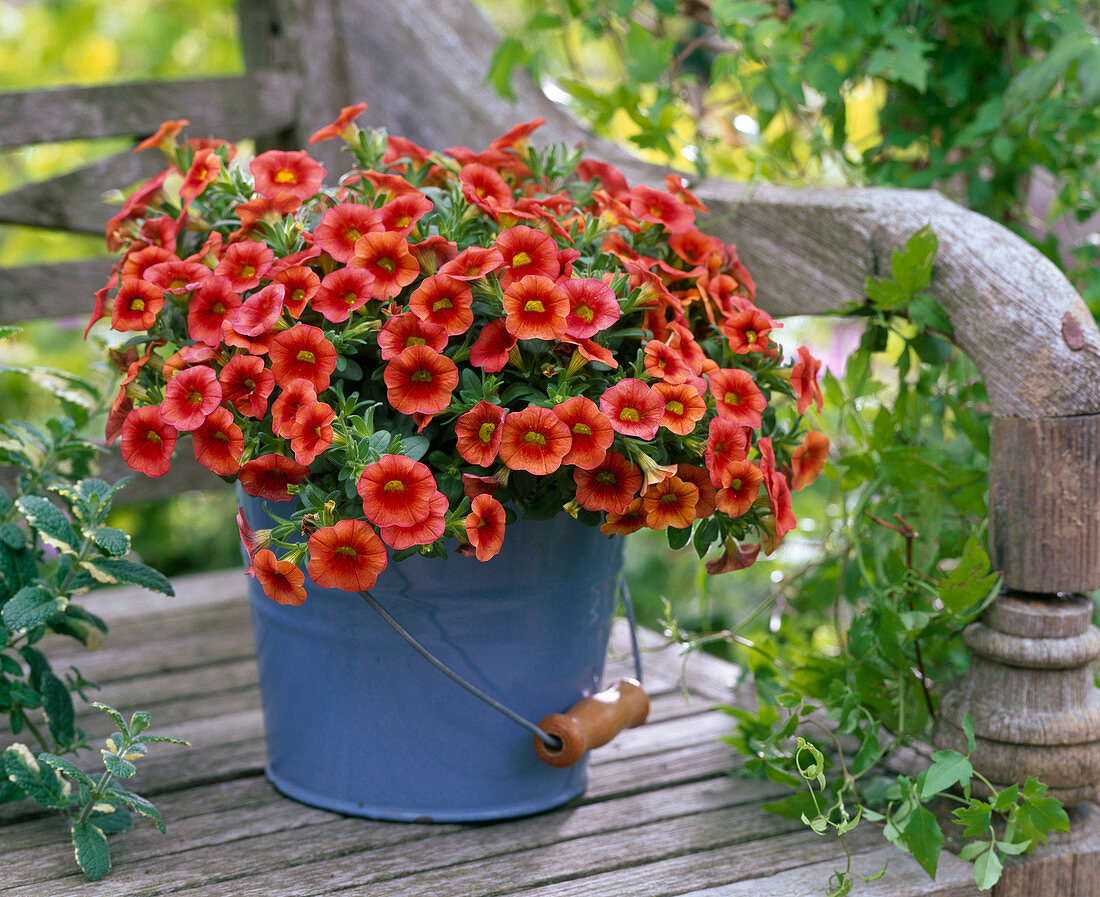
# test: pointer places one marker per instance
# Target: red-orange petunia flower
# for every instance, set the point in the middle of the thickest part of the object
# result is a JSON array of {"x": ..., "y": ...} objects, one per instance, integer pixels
[
  {"x": 342, "y": 292},
  {"x": 423, "y": 532},
  {"x": 534, "y": 440},
  {"x": 175, "y": 275},
  {"x": 633, "y": 408},
  {"x": 590, "y": 430},
  {"x": 252, "y": 540},
  {"x": 695, "y": 247},
  {"x": 629, "y": 521},
  {"x": 747, "y": 330},
  {"x": 444, "y": 301},
  {"x": 493, "y": 346},
  {"x": 535, "y": 308},
  {"x": 592, "y": 351},
  {"x": 285, "y": 410},
  {"x": 611, "y": 486},
  {"x": 434, "y": 251},
  {"x": 736, "y": 396},
  {"x": 406, "y": 329},
  {"x": 147, "y": 441},
  {"x": 727, "y": 442},
  {"x": 245, "y": 263},
  {"x": 342, "y": 127},
  {"x": 165, "y": 136},
  {"x": 259, "y": 312},
  {"x": 420, "y": 380},
  {"x": 190, "y": 396},
  {"x": 281, "y": 581},
  {"x": 779, "y": 493},
  {"x": 135, "y": 264},
  {"x": 740, "y": 487},
  {"x": 670, "y": 502},
  {"x": 137, "y": 304},
  {"x": 396, "y": 491},
  {"x": 401, "y": 214},
  {"x": 348, "y": 555},
  {"x": 302, "y": 352},
  {"x": 483, "y": 187},
  {"x": 247, "y": 384},
  {"x": 269, "y": 475},
  {"x": 286, "y": 173},
  {"x": 218, "y": 443},
  {"x": 213, "y": 301},
  {"x": 342, "y": 226},
  {"x": 526, "y": 251},
  {"x": 311, "y": 432},
  {"x": 804, "y": 380},
  {"x": 592, "y": 306},
  {"x": 300, "y": 284},
  {"x": 479, "y": 433},
  {"x": 808, "y": 460},
  {"x": 662, "y": 362},
  {"x": 700, "y": 479},
  {"x": 473, "y": 263},
  {"x": 659, "y": 207},
  {"x": 485, "y": 526},
  {"x": 386, "y": 255},
  {"x": 684, "y": 407},
  {"x": 733, "y": 557},
  {"x": 204, "y": 170}
]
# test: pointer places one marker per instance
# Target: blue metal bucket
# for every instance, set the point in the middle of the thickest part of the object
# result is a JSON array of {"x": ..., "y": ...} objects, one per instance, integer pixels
[{"x": 359, "y": 723}]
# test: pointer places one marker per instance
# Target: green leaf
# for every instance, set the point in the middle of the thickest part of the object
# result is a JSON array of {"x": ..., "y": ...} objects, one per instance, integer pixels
[
  {"x": 29, "y": 607},
  {"x": 1038, "y": 816},
  {"x": 948, "y": 768},
  {"x": 113, "y": 541},
  {"x": 7, "y": 331},
  {"x": 678, "y": 537},
  {"x": 976, "y": 818},
  {"x": 987, "y": 869},
  {"x": 970, "y": 582},
  {"x": 139, "y": 722},
  {"x": 924, "y": 839},
  {"x": 57, "y": 704},
  {"x": 92, "y": 853},
  {"x": 926, "y": 313},
  {"x": 509, "y": 54},
  {"x": 111, "y": 819},
  {"x": 51, "y": 524},
  {"x": 732, "y": 12},
  {"x": 68, "y": 768},
  {"x": 116, "y": 766},
  {"x": 912, "y": 265},
  {"x": 885, "y": 295},
  {"x": 120, "y": 570},
  {"x": 138, "y": 804},
  {"x": 43, "y": 785},
  {"x": 115, "y": 716}
]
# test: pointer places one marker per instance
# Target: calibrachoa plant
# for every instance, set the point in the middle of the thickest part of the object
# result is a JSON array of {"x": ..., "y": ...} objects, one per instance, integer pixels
[{"x": 444, "y": 341}]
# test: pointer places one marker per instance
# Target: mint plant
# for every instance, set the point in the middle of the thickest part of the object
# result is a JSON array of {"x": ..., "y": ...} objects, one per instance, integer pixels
[{"x": 55, "y": 544}]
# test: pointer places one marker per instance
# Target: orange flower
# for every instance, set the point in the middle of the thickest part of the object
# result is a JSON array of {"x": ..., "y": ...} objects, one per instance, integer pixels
[
  {"x": 281, "y": 581},
  {"x": 296, "y": 395},
  {"x": 300, "y": 284},
  {"x": 311, "y": 432},
  {"x": 779, "y": 493},
  {"x": 483, "y": 187},
  {"x": 808, "y": 460},
  {"x": 396, "y": 491},
  {"x": 592, "y": 306},
  {"x": 342, "y": 127},
  {"x": 747, "y": 330},
  {"x": 485, "y": 526},
  {"x": 473, "y": 485},
  {"x": 401, "y": 214},
  {"x": 420, "y": 380},
  {"x": 443, "y": 301},
  {"x": 491, "y": 350},
  {"x": 473, "y": 263},
  {"x": 269, "y": 475},
  {"x": 348, "y": 555},
  {"x": 659, "y": 207},
  {"x": 737, "y": 396},
  {"x": 433, "y": 252},
  {"x": 526, "y": 251},
  {"x": 190, "y": 396},
  {"x": 727, "y": 443},
  {"x": 479, "y": 433},
  {"x": 386, "y": 255},
  {"x": 259, "y": 312},
  {"x": 423, "y": 532},
  {"x": 734, "y": 557},
  {"x": 671, "y": 502},
  {"x": 629, "y": 521},
  {"x": 633, "y": 408},
  {"x": 804, "y": 380},
  {"x": 212, "y": 302},
  {"x": 740, "y": 486},
  {"x": 343, "y": 291},
  {"x": 611, "y": 486},
  {"x": 204, "y": 170},
  {"x": 218, "y": 443},
  {"x": 342, "y": 226},
  {"x": 175, "y": 275},
  {"x": 136, "y": 305},
  {"x": 662, "y": 362},
  {"x": 147, "y": 441},
  {"x": 286, "y": 173},
  {"x": 699, "y": 478},
  {"x": 406, "y": 329},
  {"x": 302, "y": 352},
  {"x": 534, "y": 440},
  {"x": 245, "y": 263},
  {"x": 684, "y": 407},
  {"x": 535, "y": 308},
  {"x": 590, "y": 430},
  {"x": 165, "y": 137},
  {"x": 247, "y": 384}
]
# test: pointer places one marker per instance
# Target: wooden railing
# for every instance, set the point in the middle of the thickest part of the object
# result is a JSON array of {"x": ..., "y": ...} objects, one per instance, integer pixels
[{"x": 421, "y": 65}]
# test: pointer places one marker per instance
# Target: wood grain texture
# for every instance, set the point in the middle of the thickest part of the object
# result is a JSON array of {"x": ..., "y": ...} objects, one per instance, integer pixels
[{"x": 260, "y": 102}]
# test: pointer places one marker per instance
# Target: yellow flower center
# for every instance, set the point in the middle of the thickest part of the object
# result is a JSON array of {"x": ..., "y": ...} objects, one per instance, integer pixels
[
  {"x": 533, "y": 437},
  {"x": 674, "y": 407},
  {"x": 285, "y": 177},
  {"x": 351, "y": 235},
  {"x": 750, "y": 336},
  {"x": 347, "y": 551},
  {"x": 422, "y": 377},
  {"x": 582, "y": 429},
  {"x": 584, "y": 313},
  {"x": 606, "y": 478},
  {"x": 248, "y": 271},
  {"x": 669, "y": 498},
  {"x": 520, "y": 259},
  {"x": 415, "y": 341},
  {"x": 194, "y": 397},
  {"x": 350, "y": 298},
  {"x": 137, "y": 305},
  {"x": 152, "y": 436},
  {"x": 735, "y": 485},
  {"x": 485, "y": 432},
  {"x": 441, "y": 304},
  {"x": 630, "y": 414},
  {"x": 306, "y": 356},
  {"x": 394, "y": 486},
  {"x": 535, "y": 306},
  {"x": 404, "y": 221},
  {"x": 732, "y": 398},
  {"x": 386, "y": 265},
  {"x": 218, "y": 308}
]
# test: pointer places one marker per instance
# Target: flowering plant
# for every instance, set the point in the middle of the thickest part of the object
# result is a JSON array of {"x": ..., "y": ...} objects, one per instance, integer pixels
[{"x": 443, "y": 341}]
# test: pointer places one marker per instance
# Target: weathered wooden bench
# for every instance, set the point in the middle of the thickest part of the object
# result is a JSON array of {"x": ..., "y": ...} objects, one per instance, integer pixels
[{"x": 421, "y": 65}]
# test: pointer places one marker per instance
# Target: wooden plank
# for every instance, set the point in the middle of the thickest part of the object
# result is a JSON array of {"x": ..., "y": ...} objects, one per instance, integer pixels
[
  {"x": 260, "y": 102},
  {"x": 74, "y": 201},
  {"x": 54, "y": 290}
]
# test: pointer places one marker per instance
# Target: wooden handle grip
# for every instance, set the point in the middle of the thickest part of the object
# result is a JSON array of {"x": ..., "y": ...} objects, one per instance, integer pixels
[{"x": 593, "y": 721}]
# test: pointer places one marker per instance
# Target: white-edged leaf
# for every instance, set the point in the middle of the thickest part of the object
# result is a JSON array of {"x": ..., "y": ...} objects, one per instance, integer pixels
[
  {"x": 121, "y": 570},
  {"x": 29, "y": 607},
  {"x": 92, "y": 853}
]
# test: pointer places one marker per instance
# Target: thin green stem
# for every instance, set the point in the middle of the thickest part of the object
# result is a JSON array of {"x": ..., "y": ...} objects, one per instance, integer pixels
[{"x": 100, "y": 789}]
